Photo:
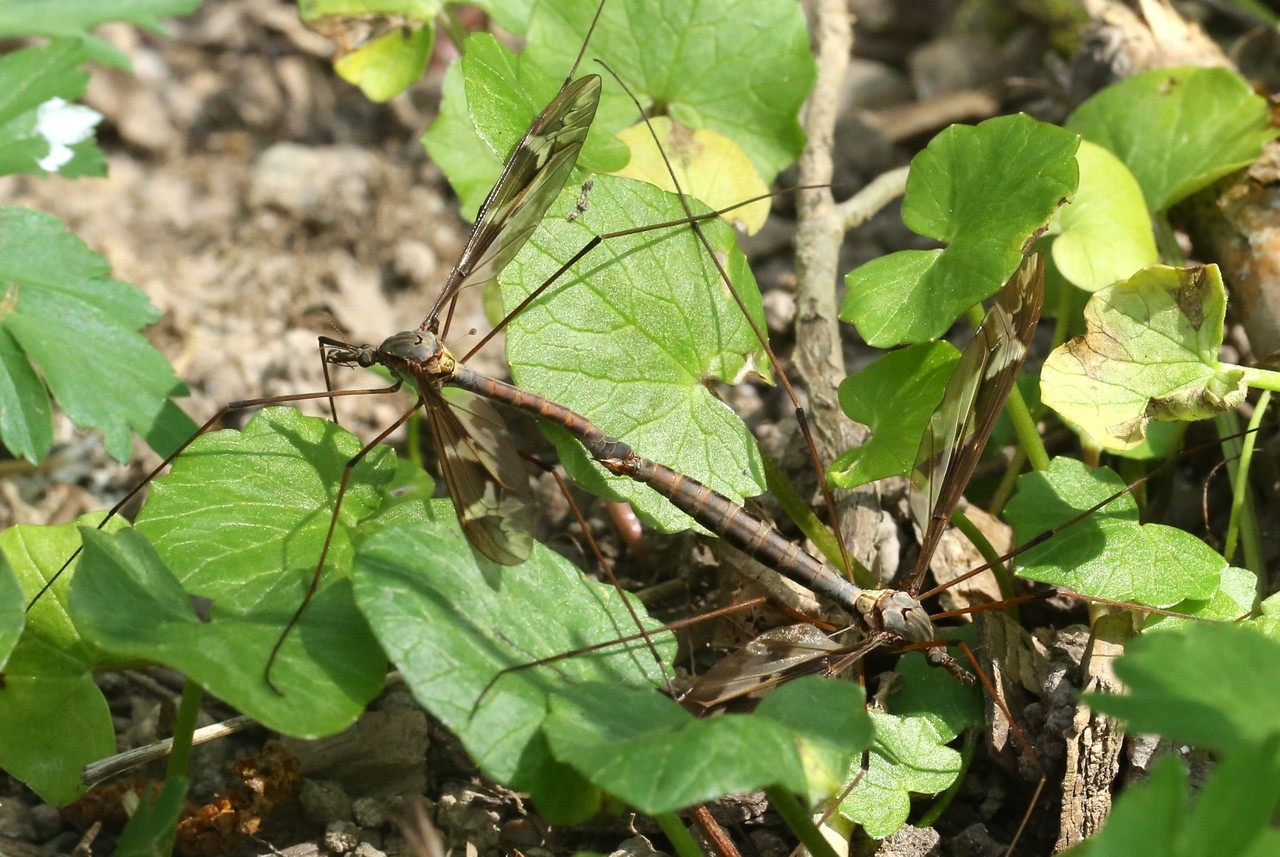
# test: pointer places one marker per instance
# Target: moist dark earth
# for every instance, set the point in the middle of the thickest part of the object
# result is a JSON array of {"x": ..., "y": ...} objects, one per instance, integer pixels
[{"x": 261, "y": 202}]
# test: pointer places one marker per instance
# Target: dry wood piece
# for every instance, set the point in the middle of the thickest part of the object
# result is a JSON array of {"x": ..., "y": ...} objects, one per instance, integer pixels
[{"x": 1094, "y": 740}]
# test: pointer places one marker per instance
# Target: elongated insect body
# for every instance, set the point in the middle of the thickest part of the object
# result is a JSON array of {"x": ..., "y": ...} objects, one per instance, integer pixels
[{"x": 420, "y": 359}]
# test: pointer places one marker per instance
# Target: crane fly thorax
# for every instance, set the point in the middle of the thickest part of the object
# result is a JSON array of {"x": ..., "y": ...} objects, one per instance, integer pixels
[
  {"x": 895, "y": 611},
  {"x": 417, "y": 354}
]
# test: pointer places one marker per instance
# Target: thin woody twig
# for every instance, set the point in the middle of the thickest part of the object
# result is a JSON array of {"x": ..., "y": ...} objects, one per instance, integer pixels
[
  {"x": 818, "y": 356},
  {"x": 867, "y": 203}
]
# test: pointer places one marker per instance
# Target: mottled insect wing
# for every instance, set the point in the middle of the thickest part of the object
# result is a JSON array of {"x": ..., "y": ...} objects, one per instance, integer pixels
[
  {"x": 533, "y": 177},
  {"x": 770, "y": 659},
  {"x": 975, "y": 394},
  {"x": 488, "y": 482}
]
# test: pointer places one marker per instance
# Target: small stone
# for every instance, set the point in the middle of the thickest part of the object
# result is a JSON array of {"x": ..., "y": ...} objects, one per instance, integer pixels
[
  {"x": 323, "y": 184},
  {"x": 779, "y": 310},
  {"x": 369, "y": 812},
  {"x": 47, "y": 821},
  {"x": 636, "y": 846},
  {"x": 367, "y": 849},
  {"x": 341, "y": 837},
  {"x": 16, "y": 821},
  {"x": 324, "y": 801}
]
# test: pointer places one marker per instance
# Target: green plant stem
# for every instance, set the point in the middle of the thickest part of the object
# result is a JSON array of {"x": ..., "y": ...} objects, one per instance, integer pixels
[
  {"x": 1261, "y": 379},
  {"x": 1008, "y": 482},
  {"x": 1243, "y": 525},
  {"x": 1028, "y": 434},
  {"x": 453, "y": 29},
  {"x": 184, "y": 728},
  {"x": 801, "y": 823},
  {"x": 990, "y": 555},
  {"x": 681, "y": 839},
  {"x": 1065, "y": 301},
  {"x": 809, "y": 523}
]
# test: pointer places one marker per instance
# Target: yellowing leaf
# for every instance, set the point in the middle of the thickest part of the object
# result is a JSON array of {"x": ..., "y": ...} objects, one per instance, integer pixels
[
  {"x": 386, "y": 66},
  {"x": 1105, "y": 232},
  {"x": 710, "y": 166},
  {"x": 1150, "y": 351}
]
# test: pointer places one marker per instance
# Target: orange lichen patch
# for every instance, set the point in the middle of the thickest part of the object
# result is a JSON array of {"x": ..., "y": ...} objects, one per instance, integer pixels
[{"x": 268, "y": 780}]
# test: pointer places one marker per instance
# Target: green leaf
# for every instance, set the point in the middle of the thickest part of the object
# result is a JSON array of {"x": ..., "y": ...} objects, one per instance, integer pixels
[
  {"x": 78, "y": 326},
  {"x": 1150, "y": 351},
  {"x": 1108, "y": 554},
  {"x": 388, "y": 66},
  {"x": 56, "y": 18},
  {"x": 928, "y": 709},
  {"x": 689, "y": 64},
  {"x": 1177, "y": 130},
  {"x": 452, "y": 621},
  {"x": 382, "y": 45},
  {"x": 1268, "y": 619},
  {"x": 637, "y": 744},
  {"x": 241, "y": 520},
  {"x": 894, "y": 396},
  {"x": 983, "y": 191},
  {"x": 1214, "y": 685},
  {"x": 1231, "y": 601},
  {"x": 52, "y": 714},
  {"x": 41, "y": 131},
  {"x": 490, "y": 99},
  {"x": 738, "y": 67},
  {"x": 1105, "y": 233},
  {"x": 623, "y": 341},
  {"x": 13, "y": 616}
]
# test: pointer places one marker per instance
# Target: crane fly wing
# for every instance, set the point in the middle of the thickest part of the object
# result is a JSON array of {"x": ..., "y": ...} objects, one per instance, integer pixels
[
  {"x": 488, "y": 482},
  {"x": 532, "y": 178},
  {"x": 974, "y": 397},
  {"x": 770, "y": 659}
]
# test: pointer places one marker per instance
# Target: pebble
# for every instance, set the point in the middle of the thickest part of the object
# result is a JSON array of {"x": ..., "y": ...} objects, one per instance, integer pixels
[
  {"x": 324, "y": 801},
  {"x": 341, "y": 837},
  {"x": 322, "y": 184}
]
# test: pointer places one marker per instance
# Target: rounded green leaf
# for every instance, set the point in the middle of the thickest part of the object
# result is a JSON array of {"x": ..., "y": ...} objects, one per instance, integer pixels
[
  {"x": 632, "y": 335},
  {"x": 1150, "y": 351},
  {"x": 983, "y": 191},
  {"x": 894, "y": 396},
  {"x": 242, "y": 519},
  {"x": 329, "y": 668},
  {"x": 52, "y": 714},
  {"x": 451, "y": 622},
  {"x": 1215, "y": 685},
  {"x": 740, "y": 68},
  {"x": 59, "y": 293},
  {"x": 927, "y": 710},
  {"x": 1177, "y": 129},
  {"x": 1104, "y": 234},
  {"x": 638, "y": 745},
  {"x": 1109, "y": 554}
]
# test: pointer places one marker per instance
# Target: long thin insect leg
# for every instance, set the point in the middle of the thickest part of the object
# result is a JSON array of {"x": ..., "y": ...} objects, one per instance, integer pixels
[
  {"x": 241, "y": 405},
  {"x": 606, "y": 567},
  {"x": 328, "y": 540}
]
